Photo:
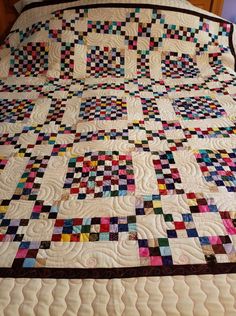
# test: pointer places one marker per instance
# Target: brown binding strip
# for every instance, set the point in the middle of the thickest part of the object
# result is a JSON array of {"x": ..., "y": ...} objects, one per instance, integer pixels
[{"x": 112, "y": 273}]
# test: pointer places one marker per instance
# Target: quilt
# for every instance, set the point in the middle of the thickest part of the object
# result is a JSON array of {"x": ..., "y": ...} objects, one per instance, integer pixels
[{"x": 118, "y": 142}]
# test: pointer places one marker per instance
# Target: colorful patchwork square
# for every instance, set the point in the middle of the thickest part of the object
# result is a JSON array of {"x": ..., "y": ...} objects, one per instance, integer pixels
[
  {"x": 67, "y": 60},
  {"x": 29, "y": 31},
  {"x": 9, "y": 139},
  {"x": 197, "y": 108},
  {"x": 3, "y": 207},
  {"x": 180, "y": 33},
  {"x": 176, "y": 65},
  {"x": 143, "y": 68},
  {"x": 103, "y": 62},
  {"x": 10, "y": 229},
  {"x": 133, "y": 16},
  {"x": 105, "y": 86},
  {"x": 184, "y": 228},
  {"x": 56, "y": 111},
  {"x": 26, "y": 255},
  {"x": 140, "y": 145},
  {"x": 168, "y": 178},
  {"x": 30, "y": 182},
  {"x": 95, "y": 229},
  {"x": 61, "y": 149},
  {"x": 157, "y": 17},
  {"x": 218, "y": 167},
  {"x": 171, "y": 125},
  {"x": 24, "y": 151},
  {"x": 103, "y": 108},
  {"x": 144, "y": 29},
  {"x": 55, "y": 34},
  {"x": 100, "y": 174},
  {"x": 3, "y": 163},
  {"x": 178, "y": 144},
  {"x": 229, "y": 221},
  {"x": 152, "y": 135},
  {"x": 131, "y": 42},
  {"x": 148, "y": 204},
  {"x": 155, "y": 252},
  {"x": 204, "y": 24},
  {"x": 80, "y": 13},
  {"x": 68, "y": 24},
  {"x": 29, "y": 60},
  {"x": 198, "y": 203},
  {"x": 224, "y": 29},
  {"x": 210, "y": 132},
  {"x": 155, "y": 43},
  {"x": 106, "y": 27},
  {"x": 150, "y": 109},
  {"x": 46, "y": 139},
  {"x": 215, "y": 61},
  {"x": 102, "y": 135},
  {"x": 218, "y": 249},
  {"x": 15, "y": 110},
  {"x": 136, "y": 125},
  {"x": 42, "y": 211}
]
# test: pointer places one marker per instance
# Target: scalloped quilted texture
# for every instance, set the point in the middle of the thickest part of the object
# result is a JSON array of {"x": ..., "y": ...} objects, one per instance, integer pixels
[{"x": 179, "y": 295}]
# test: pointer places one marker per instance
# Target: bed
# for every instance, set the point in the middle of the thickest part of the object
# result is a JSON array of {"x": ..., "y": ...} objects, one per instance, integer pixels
[{"x": 118, "y": 160}]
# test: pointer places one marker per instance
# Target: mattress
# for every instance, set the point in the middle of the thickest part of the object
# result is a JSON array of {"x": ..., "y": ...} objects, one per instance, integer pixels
[{"x": 118, "y": 160}]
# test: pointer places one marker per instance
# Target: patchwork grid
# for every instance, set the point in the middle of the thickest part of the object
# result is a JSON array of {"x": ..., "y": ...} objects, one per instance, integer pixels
[
  {"x": 198, "y": 203},
  {"x": 181, "y": 33},
  {"x": 210, "y": 132},
  {"x": 106, "y": 27},
  {"x": 215, "y": 246},
  {"x": 168, "y": 178},
  {"x": 95, "y": 229},
  {"x": 100, "y": 174},
  {"x": 143, "y": 68},
  {"x": 103, "y": 108},
  {"x": 113, "y": 134},
  {"x": 105, "y": 62},
  {"x": 30, "y": 182},
  {"x": 150, "y": 109},
  {"x": 114, "y": 175},
  {"x": 155, "y": 252},
  {"x": 218, "y": 167},
  {"x": 15, "y": 110},
  {"x": 196, "y": 108},
  {"x": 67, "y": 60},
  {"x": 175, "y": 66},
  {"x": 29, "y": 60},
  {"x": 184, "y": 228},
  {"x": 56, "y": 111},
  {"x": 149, "y": 204}
]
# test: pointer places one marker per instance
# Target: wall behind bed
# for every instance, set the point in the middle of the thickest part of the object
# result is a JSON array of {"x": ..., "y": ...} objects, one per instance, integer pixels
[{"x": 229, "y": 10}]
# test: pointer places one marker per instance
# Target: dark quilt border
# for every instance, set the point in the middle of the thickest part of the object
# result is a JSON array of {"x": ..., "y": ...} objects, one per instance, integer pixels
[
  {"x": 139, "y": 5},
  {"x": 113, "y": 273}
]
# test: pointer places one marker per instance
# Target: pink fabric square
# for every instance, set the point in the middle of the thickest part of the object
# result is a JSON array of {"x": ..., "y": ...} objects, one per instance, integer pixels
[
  {"x": 156, "y": 261},
  {"x": 144, "y": 252}
]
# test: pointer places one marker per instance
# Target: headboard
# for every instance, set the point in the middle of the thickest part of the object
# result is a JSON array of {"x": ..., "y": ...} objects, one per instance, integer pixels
[{"x": 8, "y": 15}]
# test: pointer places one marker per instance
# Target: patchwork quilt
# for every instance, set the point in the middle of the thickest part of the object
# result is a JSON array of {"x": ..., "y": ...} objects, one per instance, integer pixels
[{"x": 118, "y": 142}]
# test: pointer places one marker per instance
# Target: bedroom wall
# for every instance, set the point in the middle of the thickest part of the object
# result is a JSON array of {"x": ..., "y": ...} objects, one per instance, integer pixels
[{"x": 229, "y": 10}]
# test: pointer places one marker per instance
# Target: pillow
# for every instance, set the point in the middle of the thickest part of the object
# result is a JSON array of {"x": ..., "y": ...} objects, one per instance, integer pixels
[{"x": 19, "y": 5}]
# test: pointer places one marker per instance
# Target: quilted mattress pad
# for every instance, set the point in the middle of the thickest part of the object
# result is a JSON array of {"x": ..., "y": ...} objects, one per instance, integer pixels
[{"x": 118, "y": 158}]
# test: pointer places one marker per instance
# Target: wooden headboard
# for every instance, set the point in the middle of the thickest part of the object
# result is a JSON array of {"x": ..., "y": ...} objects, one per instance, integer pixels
[{"x": 8, "y": 15}]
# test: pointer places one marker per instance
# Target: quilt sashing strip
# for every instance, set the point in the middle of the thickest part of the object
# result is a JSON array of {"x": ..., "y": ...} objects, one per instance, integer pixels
[{"x": 117, "y": 145}]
